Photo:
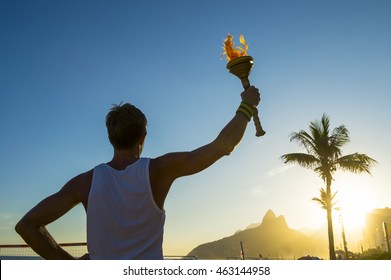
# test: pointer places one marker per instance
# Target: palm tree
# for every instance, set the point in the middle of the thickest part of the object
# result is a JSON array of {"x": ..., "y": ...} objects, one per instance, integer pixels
[
  {"x": 323, "y": 202},
  {"x": 324, "y": 156}
]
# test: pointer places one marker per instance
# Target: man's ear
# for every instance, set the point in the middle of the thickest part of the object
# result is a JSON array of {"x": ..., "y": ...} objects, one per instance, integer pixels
[{"x": 141, "y": 142}]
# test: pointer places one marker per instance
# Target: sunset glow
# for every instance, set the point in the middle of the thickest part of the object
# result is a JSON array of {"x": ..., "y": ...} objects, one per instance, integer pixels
[{"x": 355, "y": 202}]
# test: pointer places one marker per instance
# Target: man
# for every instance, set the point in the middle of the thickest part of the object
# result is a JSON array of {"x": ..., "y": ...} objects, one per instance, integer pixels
[{"x": 124, "y": 198}]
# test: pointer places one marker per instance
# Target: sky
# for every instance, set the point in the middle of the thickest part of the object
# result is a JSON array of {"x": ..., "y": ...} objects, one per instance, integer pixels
[{"x": 64, "y": 63}]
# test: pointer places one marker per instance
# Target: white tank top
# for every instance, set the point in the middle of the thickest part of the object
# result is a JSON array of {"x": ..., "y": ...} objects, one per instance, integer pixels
[{"x": 123, "y": 220}]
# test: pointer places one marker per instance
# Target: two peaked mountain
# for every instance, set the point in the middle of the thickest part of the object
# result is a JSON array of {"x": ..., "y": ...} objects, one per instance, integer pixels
[{"x": 272, "y": 239}]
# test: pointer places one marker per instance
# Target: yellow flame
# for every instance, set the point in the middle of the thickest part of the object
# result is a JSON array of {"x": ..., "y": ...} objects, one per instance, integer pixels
[{"x": 229, "y": 49}]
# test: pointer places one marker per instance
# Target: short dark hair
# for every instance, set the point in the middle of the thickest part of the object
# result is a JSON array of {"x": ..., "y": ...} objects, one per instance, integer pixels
[{"x": 125, "y": 125}]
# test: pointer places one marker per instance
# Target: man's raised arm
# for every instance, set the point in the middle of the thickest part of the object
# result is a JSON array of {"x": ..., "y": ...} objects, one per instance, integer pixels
[{"x": 165, "y": 169}]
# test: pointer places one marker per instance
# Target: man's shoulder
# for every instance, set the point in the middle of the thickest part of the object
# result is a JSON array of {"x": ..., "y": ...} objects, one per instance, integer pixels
[
  {"x": 83, "y": 178},
  {"x": 80, "y": 185}
]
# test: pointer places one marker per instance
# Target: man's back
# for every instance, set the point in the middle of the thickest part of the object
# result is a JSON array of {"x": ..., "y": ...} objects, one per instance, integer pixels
[{"x": 123, "y": 220}]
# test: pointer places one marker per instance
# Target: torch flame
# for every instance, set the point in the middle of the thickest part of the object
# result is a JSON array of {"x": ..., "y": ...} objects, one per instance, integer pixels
[{"x": 229, "y": 50}]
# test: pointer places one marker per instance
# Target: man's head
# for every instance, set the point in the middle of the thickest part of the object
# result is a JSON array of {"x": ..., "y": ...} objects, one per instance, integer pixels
[{"x": 126, "y": 126}]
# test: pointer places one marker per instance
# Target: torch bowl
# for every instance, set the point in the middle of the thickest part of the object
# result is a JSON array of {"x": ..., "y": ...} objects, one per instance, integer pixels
[{"x": 240, "y": 66}]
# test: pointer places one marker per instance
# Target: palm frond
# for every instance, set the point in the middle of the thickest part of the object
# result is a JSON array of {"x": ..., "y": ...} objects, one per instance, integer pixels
[
  {"x": 304, "y": 160},
  {"x": 324, "y": 171},
  {"x": 356, "y": 163},
  {"x": 324, "y": 199},
  {"x": 321, "y": 202},
  {"x": 339, "y": 137},
  {"x": 322, "y": 140},
  {"x": 325, "y": 125},
  {"x": 305, "y": 140},
  {"x": 315, "y": 129},
  {"x": 320, "y": 129}
]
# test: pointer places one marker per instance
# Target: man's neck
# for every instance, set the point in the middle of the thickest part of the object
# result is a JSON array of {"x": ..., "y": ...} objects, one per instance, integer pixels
[{"x": 123, "y": 158}]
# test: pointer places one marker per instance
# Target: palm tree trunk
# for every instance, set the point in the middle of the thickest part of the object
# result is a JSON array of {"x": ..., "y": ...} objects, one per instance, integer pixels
[{"x": 330, "y": 221}]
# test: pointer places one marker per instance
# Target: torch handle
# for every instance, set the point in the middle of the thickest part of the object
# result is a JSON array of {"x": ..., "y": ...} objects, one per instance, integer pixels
[{"x": 257, "y": 122}]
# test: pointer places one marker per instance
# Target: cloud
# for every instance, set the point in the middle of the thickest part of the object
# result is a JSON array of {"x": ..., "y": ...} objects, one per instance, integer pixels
[
  {"x": 279, "y": 170},
  {"x": 258, "y": 191},
  {"x": 262, "y": 184}
]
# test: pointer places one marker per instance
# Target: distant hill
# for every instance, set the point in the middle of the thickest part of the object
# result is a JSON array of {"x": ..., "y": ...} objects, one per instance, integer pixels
[{"x": 272, "y": 239}]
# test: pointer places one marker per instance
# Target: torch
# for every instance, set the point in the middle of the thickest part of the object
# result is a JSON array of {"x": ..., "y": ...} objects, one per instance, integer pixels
[{"x": 240, "y": 65}]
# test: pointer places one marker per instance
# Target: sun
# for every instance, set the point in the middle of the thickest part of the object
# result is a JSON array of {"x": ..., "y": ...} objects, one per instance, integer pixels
[{"x": 354, "y": 201}]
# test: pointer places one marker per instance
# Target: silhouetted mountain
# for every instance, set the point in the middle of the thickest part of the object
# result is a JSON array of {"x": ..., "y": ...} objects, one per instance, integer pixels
[{"x": 271, "y": 239}]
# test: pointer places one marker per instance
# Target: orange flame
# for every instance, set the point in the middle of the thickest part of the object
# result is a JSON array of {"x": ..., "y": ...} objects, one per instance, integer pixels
[{"x": 229, "y": 50}]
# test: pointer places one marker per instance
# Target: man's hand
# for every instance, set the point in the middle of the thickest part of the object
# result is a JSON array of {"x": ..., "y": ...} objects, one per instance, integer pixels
[{"x": 251, "y": 96}]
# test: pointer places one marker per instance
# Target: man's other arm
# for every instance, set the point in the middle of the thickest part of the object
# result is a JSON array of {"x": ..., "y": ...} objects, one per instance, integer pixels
[{"x": 32, "y": 227}]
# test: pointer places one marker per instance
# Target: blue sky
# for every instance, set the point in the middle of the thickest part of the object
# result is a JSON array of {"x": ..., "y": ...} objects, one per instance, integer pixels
[{"x": 63, "y": 63}]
